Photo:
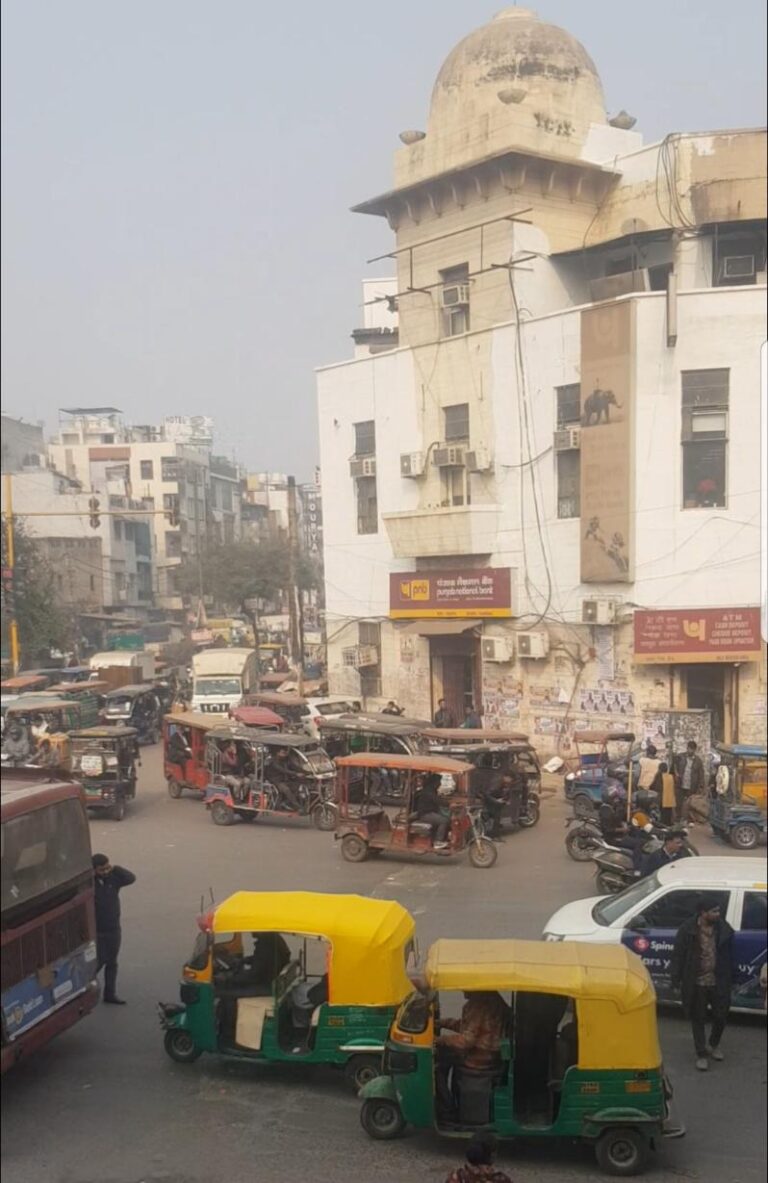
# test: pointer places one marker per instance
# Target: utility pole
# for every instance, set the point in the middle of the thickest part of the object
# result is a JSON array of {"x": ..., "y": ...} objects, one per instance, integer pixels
[
  {"x": 8, "y": 575},
  {"x": 294, "y": 594}
]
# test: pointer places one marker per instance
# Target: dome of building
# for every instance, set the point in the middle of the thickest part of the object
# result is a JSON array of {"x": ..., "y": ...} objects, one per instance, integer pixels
[{"x": 517, "y": 82}]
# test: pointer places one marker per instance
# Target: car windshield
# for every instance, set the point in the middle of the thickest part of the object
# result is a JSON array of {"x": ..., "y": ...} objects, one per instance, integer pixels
[
  {"x": 318, "y": 761},
  {"x": 613, "y": 907},
  {"x": 119, "y": 706},
  {"x": 209, "y": 687},
  {"x": 334, "y": 708}
]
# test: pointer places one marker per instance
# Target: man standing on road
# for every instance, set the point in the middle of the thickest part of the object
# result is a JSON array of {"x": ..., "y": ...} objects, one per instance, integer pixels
[
  {"x": 689, "y": 778},
  {"x": 108, "y": 881},
  {"x": 701, "y": 969}
]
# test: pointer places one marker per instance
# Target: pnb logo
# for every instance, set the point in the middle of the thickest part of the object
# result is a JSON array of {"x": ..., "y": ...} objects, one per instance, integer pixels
[{"x": 414, "y": 589}]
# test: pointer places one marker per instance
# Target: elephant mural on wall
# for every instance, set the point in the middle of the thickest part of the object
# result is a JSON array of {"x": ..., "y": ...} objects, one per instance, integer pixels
[{"x": 598, "y": 404}]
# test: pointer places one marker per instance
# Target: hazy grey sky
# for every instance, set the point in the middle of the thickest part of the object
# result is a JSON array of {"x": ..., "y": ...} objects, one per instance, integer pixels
[{"x": 177, "y": 176}]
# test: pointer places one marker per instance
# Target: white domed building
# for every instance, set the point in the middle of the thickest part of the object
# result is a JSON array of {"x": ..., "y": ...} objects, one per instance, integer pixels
[{"x": 538, "y": 464}]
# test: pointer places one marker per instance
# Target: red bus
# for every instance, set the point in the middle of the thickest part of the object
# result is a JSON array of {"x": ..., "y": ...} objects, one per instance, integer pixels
[{"x": 48, "y": 927}]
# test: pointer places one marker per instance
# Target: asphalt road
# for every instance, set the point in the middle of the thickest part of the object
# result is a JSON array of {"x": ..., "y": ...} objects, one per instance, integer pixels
[{"x": 103, "y": 1103}]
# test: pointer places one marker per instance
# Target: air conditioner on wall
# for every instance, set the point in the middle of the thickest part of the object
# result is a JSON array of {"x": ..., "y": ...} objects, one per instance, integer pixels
[
  {"x": 479, "y": 460},
  {"x": 498, "y": 649},
  {"x": 449, "y": 457},
  {"x": 533, "y": 645},
  {"x": 455, "y": 295},
  {"x": 599, "y": 611},
  {"x": 567, "y": 439},
  {"x": 365, "y": 467},
  {"x": 411, "y": 464},
  {"x": 738, "y": 266}
]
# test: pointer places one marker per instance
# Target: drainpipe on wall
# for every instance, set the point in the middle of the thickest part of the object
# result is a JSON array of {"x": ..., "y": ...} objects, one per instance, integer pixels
[{"x": 735, "y": 682}]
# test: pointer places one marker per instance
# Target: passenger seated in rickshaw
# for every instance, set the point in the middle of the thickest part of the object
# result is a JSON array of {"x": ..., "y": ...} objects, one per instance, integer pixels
[
  {"x": 179, "y": 750},
  {"x": 428, "y": 807},
  {"x": 305, "y": 998},
  {"x": 472, "y": 1042},
  {"x": 278, "y": 772}
]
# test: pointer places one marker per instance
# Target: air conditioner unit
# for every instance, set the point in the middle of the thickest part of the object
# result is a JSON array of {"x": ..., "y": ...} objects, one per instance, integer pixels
[
  {"x": 359, "y": 656},
  {"x": 599, "y": 611},
  {"x": 479, "y": 460},
  {"x": 411, "y": 464},
  {"x": 449, "y": 457},
  {"x": 534, "y": 645},
  {"x": 567, "y": 439},
  {"x": 365, "y": 467},
  {"x": 455, "y": 295},
  {"x": 498, "y": 649},
  {"x": 738, "y": 266}
]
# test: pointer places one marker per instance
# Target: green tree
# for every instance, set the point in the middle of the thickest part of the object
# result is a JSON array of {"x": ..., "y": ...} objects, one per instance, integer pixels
[{"x": 44, "y": 622}]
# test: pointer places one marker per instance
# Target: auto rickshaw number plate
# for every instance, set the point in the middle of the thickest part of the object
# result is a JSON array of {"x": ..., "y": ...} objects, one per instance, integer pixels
[{"x": 92, "y": 765}]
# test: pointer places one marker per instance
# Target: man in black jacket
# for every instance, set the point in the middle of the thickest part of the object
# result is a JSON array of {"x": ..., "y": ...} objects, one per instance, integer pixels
[
  {"x": 690, "y": 778},
  {"x": 108, "y": 881},
  {"x": 701, "y": 969}
]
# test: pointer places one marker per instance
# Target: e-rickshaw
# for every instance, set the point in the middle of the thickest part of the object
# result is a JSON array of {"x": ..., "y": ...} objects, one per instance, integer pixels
[
  {"x": 321, "y": 986},
  {"x": 293, "y": 709},
  {"x": 601, "y": 756},
  {"x": 441, "y": 737},
  {"x": 184, "y": 751},
  {"x": 45, "y": 723},
  {"x": 104, "y": 761},
  {"x": 577, "y": 1057},
  {"x": 349, "y": 734},
  {"x": 515, "y": 759},
  {"x": 135, "y": 706},
  {"x": 364, "y": 826},
  {"x": 737, "y": 809},
  {"x": 260, "y": 718},
  {"x": 287, "y": 776},
  {"x": 89, "y": 696}
]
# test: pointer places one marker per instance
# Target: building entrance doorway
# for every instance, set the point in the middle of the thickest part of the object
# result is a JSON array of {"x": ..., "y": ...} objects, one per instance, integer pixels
[
  {"x": 454, "y": 662},
  {"x": 709, "y": 689}
]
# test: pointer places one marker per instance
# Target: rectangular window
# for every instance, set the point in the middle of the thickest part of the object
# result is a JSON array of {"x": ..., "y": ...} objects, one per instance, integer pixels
[
  {"x": 147, "y": 470},
  {"x": 454, "y": 300},
  {"x": 169, "y": 468},
  {"x": 456, "y": 422},
  {"x": 172, "y": 545},
  {"x": 92, "y": 582},
  {"x": 369, "y": 633},
  {"x": 367, "y": 505},
  {"x": 455, "y": 486},
  {"x": 705, "y": 400},
  {"x": 118, "y": 527},
  {"x": 739, "y": 257},
  {"x": 569, "y": 483},
  {"x": 170, "y": 503},
  {"x": 365, "y": 438},
  {"x": 568, "y": 404}
]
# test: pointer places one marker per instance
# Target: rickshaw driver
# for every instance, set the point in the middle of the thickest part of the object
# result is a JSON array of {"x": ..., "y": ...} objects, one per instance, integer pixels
[
  {"x": 179, "y": 750},
  {"x": 278, "y": 771},
  {"x": 429, "y": 809},
  {"x": 473, "y": 1041}
]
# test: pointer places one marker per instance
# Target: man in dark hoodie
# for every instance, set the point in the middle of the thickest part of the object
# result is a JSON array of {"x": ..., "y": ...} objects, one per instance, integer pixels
[
  {"x": 479, "y": 1167},
  {"x": 108, "y": 881},
  {"x": 701, "y": 969}
]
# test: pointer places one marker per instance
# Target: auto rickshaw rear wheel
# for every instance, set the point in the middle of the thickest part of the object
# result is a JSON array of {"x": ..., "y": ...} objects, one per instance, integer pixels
[
  {"x": 622, "y": 1151},
  {"x": 324, "y": 816},
  {"x": 382, "y": 1119},
  {"x": 361, "y": 1069},
  {"x": 174, "y": 789},
  {"x": 117, "y": 812},
  {"x": 483, "y": 853},
  {"x": 180, "y": 1046},
  {"x": 530, "y": 817},
  {"x": 221, "y": 814},
  {"x": 744, "y": 836},
  {"x": 354, "y": 849}
]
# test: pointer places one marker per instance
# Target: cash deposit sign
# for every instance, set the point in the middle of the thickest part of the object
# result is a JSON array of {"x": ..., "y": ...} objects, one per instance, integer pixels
[
  {"x": 697, "y": 635},
  {"x": 477, "y": 592}
]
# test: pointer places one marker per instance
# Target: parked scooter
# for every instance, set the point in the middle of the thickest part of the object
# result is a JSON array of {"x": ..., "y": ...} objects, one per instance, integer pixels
[{"x": 615, "y": 867}]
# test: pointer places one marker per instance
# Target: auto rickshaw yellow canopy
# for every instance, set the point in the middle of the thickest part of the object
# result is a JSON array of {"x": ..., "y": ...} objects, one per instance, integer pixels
[
  {"x": 612, "y": 990},
  {"x": 369, "y": 938}
]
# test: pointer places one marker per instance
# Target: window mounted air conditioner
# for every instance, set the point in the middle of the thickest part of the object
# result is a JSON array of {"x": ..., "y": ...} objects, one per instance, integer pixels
[
  {"x": 412, "y": 464},
  {"x": 364, "y": 467},
  {"x": 599, "y": 612},
  {"x": 479, "y": 460},
  {"x": 455, "y": 295},
  {"x": 567, "y": 439},
  {"x": 533, "y": 645},
  {"x": 449, "y": 457},
  {"x": 738, "y": 266},
  {"x": 498, "y": 649}
]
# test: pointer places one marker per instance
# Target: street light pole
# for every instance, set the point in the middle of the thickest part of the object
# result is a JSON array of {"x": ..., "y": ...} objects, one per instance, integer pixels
[
  {"x": 294, "y": 594},
  {"x": 13, "y": 627}
]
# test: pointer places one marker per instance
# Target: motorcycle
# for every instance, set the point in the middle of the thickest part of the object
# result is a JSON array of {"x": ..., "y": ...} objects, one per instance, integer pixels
[
  {"x": 582, "y": 842},
  {"x": 616, "y": 867}
]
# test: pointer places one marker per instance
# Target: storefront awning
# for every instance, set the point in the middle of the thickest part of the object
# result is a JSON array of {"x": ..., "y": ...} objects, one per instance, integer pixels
[{"x": 440, "y": 628}]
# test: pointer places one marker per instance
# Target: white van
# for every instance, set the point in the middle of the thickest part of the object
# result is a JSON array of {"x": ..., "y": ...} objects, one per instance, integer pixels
[
  {"x": 646, "y": 916},
  {"x": 221, "y": 678}
]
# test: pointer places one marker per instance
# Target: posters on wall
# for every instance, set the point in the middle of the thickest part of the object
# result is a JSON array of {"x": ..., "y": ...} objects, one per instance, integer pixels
[{"x": 612, "y": 703}]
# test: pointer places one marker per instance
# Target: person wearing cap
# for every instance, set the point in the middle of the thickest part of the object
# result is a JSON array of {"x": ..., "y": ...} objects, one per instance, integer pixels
[
  {"x": 108, "y": 881},
  {"x": 480, "y": 1154},
  {"x": 701, "y": 970}
]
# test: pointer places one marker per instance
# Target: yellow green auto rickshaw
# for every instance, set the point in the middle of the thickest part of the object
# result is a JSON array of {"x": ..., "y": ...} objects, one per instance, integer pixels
[
  {"x": 297, "y": 977},
  {"x": 575, "y": 1051}
]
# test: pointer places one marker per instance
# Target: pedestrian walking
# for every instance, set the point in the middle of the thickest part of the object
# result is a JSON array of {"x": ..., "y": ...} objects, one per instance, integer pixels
[
  {"x": 478, "y": 1166},
  {"x": 689, "y": 778},
  {"x": 701, "y": 969},
  {"x": 108, "y": 881}
]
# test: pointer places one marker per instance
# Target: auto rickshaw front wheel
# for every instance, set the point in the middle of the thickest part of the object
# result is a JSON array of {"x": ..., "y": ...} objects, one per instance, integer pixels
[
  {"x": 221, "y": 814},
  {"x": 354, "y": 849},
  {"x": 180, "y": 1046},
  {"x": 483, "y": 853},
  {"x": 381, "y": 1118},
  {"x": 361, "y": 1069},
  {"x": 174, "y": 789},
  {"x": 324, "y": 816},
  {"x": 622, "y": 1151},
  {"x": 744, "y": 836}
]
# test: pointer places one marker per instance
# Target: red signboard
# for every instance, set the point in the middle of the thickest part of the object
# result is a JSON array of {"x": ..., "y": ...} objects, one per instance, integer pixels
[
  {"x": 474, "y": 592},
  {"x": 697, "y": 635}
]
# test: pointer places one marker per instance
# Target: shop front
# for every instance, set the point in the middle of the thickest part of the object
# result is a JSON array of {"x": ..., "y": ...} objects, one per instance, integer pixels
[{"x": 713, "y": 655}]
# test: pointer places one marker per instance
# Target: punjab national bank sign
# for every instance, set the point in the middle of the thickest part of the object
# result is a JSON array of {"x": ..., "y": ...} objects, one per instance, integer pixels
[
  {"x": 477, "y": 592},
  {"x": 697, "y": 635}
]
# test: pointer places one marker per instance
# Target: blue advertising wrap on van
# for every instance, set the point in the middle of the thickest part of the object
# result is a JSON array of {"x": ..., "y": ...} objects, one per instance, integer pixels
[
  {"x": 39, "y": 995},
  {"x": 655, "y": 946}
]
